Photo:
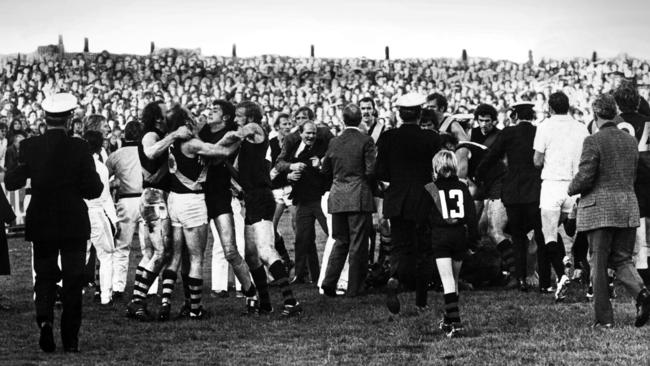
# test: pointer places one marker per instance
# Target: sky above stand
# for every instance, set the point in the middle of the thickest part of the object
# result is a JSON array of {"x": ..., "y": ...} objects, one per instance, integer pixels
[{"x": 497, "y": 29}]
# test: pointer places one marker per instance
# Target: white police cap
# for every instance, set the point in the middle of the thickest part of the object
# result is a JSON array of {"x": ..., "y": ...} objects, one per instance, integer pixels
[
  {"x": 411, "y": 100},
  {"x": 522, "y": 105},
  {"x": 59, "y": 103}
]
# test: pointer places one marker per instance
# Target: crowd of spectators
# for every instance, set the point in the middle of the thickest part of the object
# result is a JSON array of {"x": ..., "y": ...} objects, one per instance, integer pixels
[{"x": 118, "y": 87}]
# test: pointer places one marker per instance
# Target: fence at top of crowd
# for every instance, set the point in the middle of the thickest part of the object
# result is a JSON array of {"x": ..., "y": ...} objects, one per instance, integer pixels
[{"x": 118, "y": 86}]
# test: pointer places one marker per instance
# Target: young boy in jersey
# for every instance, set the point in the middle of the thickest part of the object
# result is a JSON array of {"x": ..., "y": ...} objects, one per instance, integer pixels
[{"x": 453, "y": 229}]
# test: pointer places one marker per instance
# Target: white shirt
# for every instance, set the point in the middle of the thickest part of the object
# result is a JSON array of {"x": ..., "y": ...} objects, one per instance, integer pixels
[
  {"x": 560, "y": 139},
  {"x": 104, "y": 201}
]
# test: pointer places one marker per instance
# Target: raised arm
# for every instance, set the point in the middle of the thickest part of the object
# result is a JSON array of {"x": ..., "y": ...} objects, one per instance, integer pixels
[
  {"x": 153, "y": 147},
  {"x": 495, "y": 153}
]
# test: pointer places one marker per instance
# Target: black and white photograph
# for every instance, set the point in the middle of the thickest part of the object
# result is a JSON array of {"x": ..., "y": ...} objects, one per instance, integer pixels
[{"x": 424, "y": 182}]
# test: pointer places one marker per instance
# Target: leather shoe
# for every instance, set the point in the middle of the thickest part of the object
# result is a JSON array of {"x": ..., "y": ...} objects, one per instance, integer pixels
[
  {"x": 71, "y": 350},
  {"x": 46, "y": 342},
  {"x": 642, "y": 308},
  {"x": 329, "y": 291},
  {"x": 392, "y": 301}
]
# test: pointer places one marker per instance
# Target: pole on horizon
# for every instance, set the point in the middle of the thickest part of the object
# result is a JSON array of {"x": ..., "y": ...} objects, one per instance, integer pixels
[
  {"x": 234, "y": 50},
  {"x": 530, "y": 57},
  {"x": 387, "y": 53},
  {"x": 61, "y": 48},
  {"x": 594, "y": 56},
  {"x": 312, "y": 51},
  {"x": 152, "y": 48},
  {"x": 86, "y": 49},
  {"x": 463, "y": 56}
]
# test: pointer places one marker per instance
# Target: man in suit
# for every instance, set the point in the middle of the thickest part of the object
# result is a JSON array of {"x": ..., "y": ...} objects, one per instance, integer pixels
[
  {"x": 350, "y": 161},
  {"x": 404, "y": 161},
  {"x": 608, "y": 211},
  {"x": 308, "y": 187},
  {"x": 62, "y": 174},
  {"x": 291, "y": 141},
  {"x": 521, "y": 185}
]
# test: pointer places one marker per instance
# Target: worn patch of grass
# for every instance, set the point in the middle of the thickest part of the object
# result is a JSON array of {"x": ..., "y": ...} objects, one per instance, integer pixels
[{"x": 502, "y": 328}]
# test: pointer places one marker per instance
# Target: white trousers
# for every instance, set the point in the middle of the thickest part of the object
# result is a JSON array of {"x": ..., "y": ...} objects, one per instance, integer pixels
[
  {"x": 128, "y": 220},
  {"x": 329, "y": 244},
  {"x": 102, "y": 238},
  {"x": 221, "y": 271}
]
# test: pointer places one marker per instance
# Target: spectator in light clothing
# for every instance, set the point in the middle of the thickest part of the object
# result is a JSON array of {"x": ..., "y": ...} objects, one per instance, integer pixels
[
  {"x": 101, "y": 213},
  {"x": 124, "y": 166},
  {"x": 557, "y": 145},
  {"x": 3, "y": 144}
]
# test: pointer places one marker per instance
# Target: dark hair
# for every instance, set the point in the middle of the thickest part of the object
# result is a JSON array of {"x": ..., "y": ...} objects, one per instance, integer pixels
[
  {"x": 310, "y": 113},
  {"x": 559, "y": 102},
  {"x": 485, "y": 110},
  {"x": 151, "y": 114},
  {"x": 448, "y": 138},
  {"x": 428, "y": 115},
  {"x": 440, "y": 99},
  {"x": 3, "y": 126},
  {"x": 16, "y": 134},
  {"x": 95, "y": 141},
  {"x": 410, "y": 114},
  {"x": 251, "y": 111},
  {"x": 352, "y": 115},
  {"x": 604, "y": 106},
  {"x": 94, "y": 122},
  {"x": 132, "y": 131},
  {"x": 627, "y": 97},
  {"x": 280, "y": 116},
  {"x": 526, "y": 114},
  {"x": 227, "y": 108},
  {"x": 177, "y": 117},
  {"x": 368, "y": 100}
]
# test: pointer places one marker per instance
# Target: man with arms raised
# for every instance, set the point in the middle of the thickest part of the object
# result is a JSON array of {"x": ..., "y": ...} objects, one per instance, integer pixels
[{"x": 153, "y": 151}]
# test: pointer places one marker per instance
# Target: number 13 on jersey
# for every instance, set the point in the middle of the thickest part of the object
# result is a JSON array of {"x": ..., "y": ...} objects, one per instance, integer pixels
[{"x": 449, "y": 212}]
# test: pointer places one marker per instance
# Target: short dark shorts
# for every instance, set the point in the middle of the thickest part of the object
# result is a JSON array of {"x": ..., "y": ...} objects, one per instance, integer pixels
[
  {"x": 218, "y": 203},
  {"x": 449, "y": 242},
  {"x": 260, "y": 205}
]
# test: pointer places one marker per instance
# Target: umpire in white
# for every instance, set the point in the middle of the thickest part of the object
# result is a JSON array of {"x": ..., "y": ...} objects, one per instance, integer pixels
[{"x": 62, "y": 174}]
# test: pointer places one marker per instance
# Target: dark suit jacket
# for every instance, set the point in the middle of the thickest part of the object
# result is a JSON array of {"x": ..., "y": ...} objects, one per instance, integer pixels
[
  {"x": 404, "y": 160},
  {"x": 350, "y": 160},
  {"x": 6, "y": 215},
  {"x": 62, "y": 174},
  {"x": 522, "y": 182},
  {"x": 605, "y": 180},
  {"x": 291, "y": 143},
  {"x": 312, "y": 183}
]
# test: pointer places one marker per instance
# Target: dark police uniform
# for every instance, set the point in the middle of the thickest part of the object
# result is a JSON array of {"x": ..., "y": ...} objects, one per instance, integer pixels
[
  {"x": 520, "y": 191},
  {"x": 62, "y": 174},
  {"x": 404, "y": 161}
]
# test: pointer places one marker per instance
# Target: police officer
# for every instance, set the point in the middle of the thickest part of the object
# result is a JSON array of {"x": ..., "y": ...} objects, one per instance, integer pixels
[
  {"x": 62, "y": 174},
  {"x": 521, "y": 186},
  {"x": 404, "y": 162}
]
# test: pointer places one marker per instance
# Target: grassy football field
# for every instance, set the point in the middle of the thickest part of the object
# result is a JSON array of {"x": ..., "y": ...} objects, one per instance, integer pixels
[{"x": 502, "y": 328}]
